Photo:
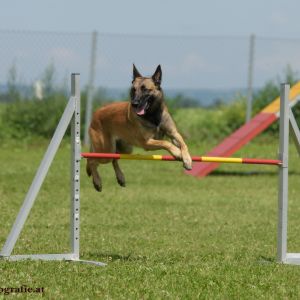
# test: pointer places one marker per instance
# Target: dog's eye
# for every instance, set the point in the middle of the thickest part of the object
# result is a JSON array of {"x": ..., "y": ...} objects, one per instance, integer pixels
[
  {"x": 133, "y": 89},
  {"x": 144, "y": 89}
]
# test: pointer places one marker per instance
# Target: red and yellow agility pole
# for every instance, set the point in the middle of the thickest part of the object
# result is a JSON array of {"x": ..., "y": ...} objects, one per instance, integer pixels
[{"x": 235, "y": 160}]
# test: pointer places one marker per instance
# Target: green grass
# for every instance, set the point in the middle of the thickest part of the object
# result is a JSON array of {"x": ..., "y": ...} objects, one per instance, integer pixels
[{"x": 165, "y": 236}]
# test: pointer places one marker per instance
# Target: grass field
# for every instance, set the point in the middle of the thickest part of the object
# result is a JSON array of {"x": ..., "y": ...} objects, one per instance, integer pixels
[{"x": 165, "y": 236}]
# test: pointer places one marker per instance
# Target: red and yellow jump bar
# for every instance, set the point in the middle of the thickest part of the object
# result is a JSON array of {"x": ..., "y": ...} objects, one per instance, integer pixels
[{"x": 255, "y": 161}]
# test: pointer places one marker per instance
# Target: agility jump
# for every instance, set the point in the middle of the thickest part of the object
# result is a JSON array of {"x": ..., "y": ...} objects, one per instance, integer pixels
[
  {"x": 236, "y": 140},
  {"x": 235, "y": 160},
  {"x": 72, "y": 115}
]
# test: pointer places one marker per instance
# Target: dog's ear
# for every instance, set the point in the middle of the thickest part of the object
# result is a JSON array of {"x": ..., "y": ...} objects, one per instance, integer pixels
[
  {"x": 156, "y": 77},
  {"x": 136, "y": 73}
]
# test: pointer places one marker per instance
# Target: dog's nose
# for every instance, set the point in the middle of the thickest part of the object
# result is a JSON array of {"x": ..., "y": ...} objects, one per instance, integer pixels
[{"x": 135, "y": 101}]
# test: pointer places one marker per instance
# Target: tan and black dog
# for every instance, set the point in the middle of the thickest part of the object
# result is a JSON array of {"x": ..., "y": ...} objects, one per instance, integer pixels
[{"x": 142, "y": 122}]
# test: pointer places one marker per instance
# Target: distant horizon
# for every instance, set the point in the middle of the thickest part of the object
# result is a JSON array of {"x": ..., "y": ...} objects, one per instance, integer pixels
[{"x": 204, "y": 96}]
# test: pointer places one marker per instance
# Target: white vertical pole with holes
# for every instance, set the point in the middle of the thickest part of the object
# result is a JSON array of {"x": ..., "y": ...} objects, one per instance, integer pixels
[
  {"x": 283, "y": 174},
  {"x": 75, "y": 174},
  {"x": 75, "y": 167},
  {"x": 286, "y": 118}
]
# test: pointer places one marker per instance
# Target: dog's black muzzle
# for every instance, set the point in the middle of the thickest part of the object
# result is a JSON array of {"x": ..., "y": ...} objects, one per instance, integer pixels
[
  {"x": 140, "y": 105},
  {"x": 136, "y": 102}
]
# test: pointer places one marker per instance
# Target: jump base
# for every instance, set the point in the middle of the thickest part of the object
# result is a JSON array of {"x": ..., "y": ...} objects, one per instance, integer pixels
[{"x": 48, "y": 257}]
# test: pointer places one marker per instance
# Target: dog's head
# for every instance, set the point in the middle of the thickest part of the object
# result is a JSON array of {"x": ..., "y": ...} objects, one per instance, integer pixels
[{"x": 145, "y": 93}]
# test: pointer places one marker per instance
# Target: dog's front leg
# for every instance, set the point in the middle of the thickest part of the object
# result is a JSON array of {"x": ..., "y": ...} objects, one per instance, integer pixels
[
  {"x": 152, "y": 144},
  {"x": 168, "y": 126},
  {"x": 186, "y": 157}
]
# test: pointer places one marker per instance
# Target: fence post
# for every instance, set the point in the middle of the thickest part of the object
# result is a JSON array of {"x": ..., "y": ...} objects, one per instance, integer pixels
[
  {"x": 250, "y": 78},
  {"x": 90, "y": 92},
  {"x": 283, "y": 174}
]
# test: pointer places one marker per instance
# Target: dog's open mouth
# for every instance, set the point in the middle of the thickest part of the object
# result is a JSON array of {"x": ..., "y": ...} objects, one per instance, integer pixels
[{"x": 141, "y": 109}]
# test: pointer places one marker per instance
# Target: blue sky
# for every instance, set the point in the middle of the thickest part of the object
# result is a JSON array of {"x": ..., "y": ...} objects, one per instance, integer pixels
[
  {"x": 190, "y": 17},
  {"x": 203, "y": 62}
]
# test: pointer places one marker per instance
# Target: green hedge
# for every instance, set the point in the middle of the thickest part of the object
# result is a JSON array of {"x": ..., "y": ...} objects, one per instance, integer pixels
[
  {"x": 23, "y": 118},
  {"x": 29, "y": 118},
  {"x": 200, "y": 124}
]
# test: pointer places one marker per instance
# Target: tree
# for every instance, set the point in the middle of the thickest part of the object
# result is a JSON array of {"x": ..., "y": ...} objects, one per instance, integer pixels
[
  {"x": 12, "y": 87},
  {"x": 48, "y": 80}
]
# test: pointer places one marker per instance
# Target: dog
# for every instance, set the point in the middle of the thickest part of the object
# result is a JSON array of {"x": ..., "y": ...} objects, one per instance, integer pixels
[{"x": 143, "y": 122}]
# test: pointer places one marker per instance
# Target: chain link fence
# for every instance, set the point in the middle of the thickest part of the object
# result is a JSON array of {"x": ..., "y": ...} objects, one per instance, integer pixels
[
  {"x": 29, "y": 58},
  {"x": 204, "y": 68}
]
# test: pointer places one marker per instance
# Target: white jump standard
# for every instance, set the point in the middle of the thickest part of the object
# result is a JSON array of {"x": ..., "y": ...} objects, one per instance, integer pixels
[
  {"x": 72, "y": 115},
  {"x": 286, "y": 119}
]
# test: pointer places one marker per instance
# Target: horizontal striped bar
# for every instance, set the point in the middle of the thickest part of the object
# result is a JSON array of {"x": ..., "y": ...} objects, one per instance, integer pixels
[
  {"x": 222, "y": 159},
  {"x": 256, "y": 161}
]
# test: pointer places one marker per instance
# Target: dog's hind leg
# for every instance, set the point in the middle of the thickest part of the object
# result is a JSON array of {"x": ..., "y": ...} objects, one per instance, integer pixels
[
  {"x": 91, "y": 168},
  {"x": 88, "y": 169},
  {"x": 119, "y": 174},
  {"x": 92, "y": 164},
  {"x": 121, "y": 147}
]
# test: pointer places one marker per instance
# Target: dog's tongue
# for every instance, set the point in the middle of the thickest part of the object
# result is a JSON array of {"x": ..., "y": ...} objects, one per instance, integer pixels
[{"x": 141, "y": 110}]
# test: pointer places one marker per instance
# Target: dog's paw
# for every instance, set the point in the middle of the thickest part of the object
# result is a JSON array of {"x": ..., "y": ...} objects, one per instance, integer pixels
[
  {"x": 97, "y": 186},
  {"x": 121, "y": 179},
  {"x": 121, "y": 182},
  {"x": 187, "y": 163}
]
